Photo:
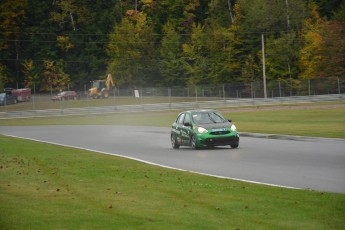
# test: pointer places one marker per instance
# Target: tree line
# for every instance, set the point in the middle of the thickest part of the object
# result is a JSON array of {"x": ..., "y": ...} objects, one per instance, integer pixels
[{"x": 52, "y": 45}]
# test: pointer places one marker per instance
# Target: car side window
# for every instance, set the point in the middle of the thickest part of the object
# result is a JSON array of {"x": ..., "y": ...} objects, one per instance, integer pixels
[
  {"x": 187, "y": 119},
  {"x": 180, "y": 118}
]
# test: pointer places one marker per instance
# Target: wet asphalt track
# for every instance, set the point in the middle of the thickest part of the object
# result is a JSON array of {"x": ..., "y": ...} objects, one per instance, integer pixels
[{"x": 308, "y": 163}]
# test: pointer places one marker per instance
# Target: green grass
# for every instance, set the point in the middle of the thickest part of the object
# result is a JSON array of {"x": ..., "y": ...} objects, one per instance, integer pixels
[
  {"x": 44, "y": 102},
  {"x": 307, "y": 122},
  {"x": 44, "y": 186},
  {"x": 317, "y": 122}
]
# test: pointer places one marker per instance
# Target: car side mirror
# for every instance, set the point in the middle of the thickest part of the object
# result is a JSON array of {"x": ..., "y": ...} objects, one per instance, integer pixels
[
  {"x": 230, "y": 120},
  {"x": 186, "y": 124}
]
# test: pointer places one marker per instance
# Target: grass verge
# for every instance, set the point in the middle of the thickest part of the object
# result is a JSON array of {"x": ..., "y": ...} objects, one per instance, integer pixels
[
  {"x": 45, "y": 186},
  {"x": 303, "y": 121},
  {"x": 316, "y": 122}
]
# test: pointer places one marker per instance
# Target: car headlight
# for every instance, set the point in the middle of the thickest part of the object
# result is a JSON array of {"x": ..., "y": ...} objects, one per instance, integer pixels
[
  {"x": 202, "y": 130},
  {"x": 233, "y": 127}
]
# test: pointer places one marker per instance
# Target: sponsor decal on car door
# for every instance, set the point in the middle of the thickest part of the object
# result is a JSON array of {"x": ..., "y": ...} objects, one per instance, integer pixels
[
  {"x": 178, "y": 128},
  {"x": 186, "y": 129}
]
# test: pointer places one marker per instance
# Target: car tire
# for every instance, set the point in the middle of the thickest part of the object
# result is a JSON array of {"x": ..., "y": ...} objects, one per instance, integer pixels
[
  {"x": 174, "y": 143},
  {"x": 193, "y": 142},
  {"x": 105, "y": 93},
  {"x": 234, "y": 145}
]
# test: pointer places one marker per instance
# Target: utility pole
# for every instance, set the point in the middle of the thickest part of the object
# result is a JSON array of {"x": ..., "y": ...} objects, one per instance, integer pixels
[
  {"x": 287, "y": 14},
  {"x": 72, "y": 20},
  {"x": 263, "y": 65},
  {"x": 230, "y": 11},
  {"x": 288, "y": 30}
]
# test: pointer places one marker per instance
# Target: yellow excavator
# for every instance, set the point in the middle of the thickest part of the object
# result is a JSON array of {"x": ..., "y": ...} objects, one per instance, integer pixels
[{"x": 101, "y": 88}]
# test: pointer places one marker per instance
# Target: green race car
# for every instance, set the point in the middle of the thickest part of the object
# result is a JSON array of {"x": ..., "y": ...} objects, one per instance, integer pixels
[{"x": 203, "y": 128}]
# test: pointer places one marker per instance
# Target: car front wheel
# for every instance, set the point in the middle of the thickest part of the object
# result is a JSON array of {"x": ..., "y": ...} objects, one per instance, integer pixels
[
  {"x": 193, "y": 142},
  {"x": 234, "y": 146},
  {"x": 174, "y": 143}
]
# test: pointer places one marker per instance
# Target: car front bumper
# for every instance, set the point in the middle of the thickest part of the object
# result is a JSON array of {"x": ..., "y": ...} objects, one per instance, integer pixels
[{"x": 207, "y": 140}]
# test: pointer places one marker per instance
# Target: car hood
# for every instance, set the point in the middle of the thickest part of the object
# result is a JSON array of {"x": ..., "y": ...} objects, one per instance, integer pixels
[{"x": 216, "y": 125}]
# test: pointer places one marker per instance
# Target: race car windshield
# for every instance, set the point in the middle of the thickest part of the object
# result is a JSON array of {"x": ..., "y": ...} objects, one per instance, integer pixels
[{"x": 207, "y": 118}]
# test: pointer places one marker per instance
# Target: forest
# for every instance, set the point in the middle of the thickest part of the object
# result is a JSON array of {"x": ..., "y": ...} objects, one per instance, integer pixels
[{"x": 52, "y": 45}]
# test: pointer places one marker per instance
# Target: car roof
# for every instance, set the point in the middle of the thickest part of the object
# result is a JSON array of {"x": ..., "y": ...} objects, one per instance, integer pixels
[{"x": 200, "y": 111}]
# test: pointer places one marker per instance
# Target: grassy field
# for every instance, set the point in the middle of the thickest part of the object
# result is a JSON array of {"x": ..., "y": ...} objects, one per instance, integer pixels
[
  {"x": 44, "y": 186},
  {"x": 44, "y": 102},
  {"x": 319, "y": 120},
  {"x": 49, "y": 187}
]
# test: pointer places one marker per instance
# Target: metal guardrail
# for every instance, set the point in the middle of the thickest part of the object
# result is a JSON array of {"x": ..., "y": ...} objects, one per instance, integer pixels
[{"x": 170, "y": 106}]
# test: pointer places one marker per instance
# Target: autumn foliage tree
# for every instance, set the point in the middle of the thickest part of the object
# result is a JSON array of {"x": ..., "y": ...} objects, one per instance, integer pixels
[
  {"x": 333, "y": 46},
  {"x": 168, "y": 42},
  {"x": 131, "y": 49},
  {"x": 310, "y": 56},
  {"x": 54, "y": 77}
]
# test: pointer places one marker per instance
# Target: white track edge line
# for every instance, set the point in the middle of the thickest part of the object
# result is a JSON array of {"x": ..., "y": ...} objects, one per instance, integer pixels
[{"x": 155, "y": 164}]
